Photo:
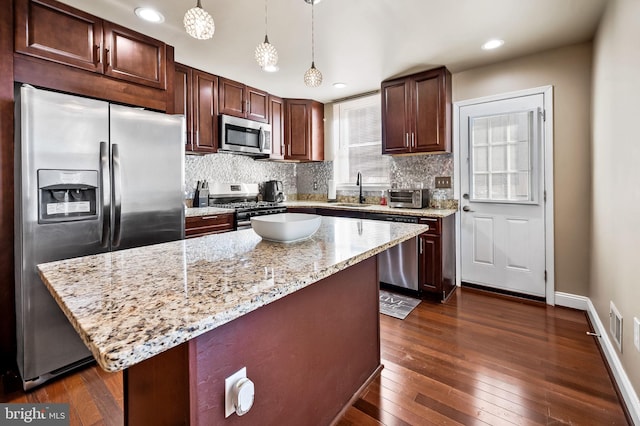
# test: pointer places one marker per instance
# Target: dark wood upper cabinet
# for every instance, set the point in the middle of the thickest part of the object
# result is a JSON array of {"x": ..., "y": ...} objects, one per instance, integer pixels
[
  {"x": 304, "y": 130},
  {"x": 134, "y": 57},
  {"x": 416, "y": 113},
  {"x": 242, "y": 101},
  {"x": 205, "y": 114},
  {"x": 276, "y": 118},
  {"x": 196, "y": 97},
  {"x": 183, "y": 100},
  {"x": 396, "y": 116},
  {"x": 50, "y": 30},
  {"x": 258, "y": 105}
]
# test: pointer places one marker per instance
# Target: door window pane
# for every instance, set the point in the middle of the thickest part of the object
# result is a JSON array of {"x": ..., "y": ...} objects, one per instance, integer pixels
[
  {"x": 480, "y": 159},
  {"x": 501, "y": 164},
  {"x": 481, "y": 186}
]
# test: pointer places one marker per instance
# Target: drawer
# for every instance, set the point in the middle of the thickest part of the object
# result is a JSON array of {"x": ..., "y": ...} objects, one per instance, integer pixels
[
  {"x": 435, "y": 224},
  {"x": 202, "y": 225}
]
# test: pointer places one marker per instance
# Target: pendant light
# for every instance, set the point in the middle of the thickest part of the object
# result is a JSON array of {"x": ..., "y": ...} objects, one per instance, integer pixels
[
  {"x": 266, "y": 53},
  {"x": 198, "y": 23},
  {"x": 313, "y": 77}
]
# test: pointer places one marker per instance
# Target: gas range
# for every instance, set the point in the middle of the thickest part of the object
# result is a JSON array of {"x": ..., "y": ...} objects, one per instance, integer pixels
[{"x": 243, "y": 198}]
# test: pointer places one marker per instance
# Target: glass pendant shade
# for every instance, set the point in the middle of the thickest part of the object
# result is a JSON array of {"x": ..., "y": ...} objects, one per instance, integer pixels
[
  {"x": 198, "y": 23},
  {"x": 267, "y": 55},
  {"x": 313, "y": 77}
]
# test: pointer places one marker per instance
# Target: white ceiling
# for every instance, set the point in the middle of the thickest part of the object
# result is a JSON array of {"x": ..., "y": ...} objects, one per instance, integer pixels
[{"x": 358, "y": 42}]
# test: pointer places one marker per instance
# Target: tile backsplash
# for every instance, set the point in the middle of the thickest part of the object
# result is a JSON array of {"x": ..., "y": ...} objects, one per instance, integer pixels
[
  {"x": 309, "y": 180},
  {"x": 407, "y": 171},
  {"x": 231, "y": 168}
]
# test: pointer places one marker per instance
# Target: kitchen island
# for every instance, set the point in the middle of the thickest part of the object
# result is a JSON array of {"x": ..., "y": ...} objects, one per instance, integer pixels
[{"x": 180, "y": 317}]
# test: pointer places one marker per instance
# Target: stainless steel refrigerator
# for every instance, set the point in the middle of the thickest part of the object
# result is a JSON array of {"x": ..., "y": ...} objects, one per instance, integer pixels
[{"x": 90, "y": 177}]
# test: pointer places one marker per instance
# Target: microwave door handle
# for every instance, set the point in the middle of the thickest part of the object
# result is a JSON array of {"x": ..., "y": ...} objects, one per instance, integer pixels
[{"x": 262, "y": 139}]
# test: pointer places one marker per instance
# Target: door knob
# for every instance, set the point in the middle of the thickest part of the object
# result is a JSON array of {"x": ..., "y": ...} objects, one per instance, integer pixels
[
  {"x": 466, "y": 209},
  {"x": 465, "y": 196}
]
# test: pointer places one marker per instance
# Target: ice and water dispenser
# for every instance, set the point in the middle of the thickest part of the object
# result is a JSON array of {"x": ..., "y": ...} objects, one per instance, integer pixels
[{"x": 67, "y": 195}]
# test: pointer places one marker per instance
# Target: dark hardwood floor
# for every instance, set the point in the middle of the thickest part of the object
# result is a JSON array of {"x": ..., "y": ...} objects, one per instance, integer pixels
[{"x": 478, "y": 359}]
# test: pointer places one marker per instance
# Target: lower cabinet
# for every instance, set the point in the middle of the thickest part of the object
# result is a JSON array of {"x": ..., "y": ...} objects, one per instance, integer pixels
[
  {"x": 437, "y": 264},
  {"x": 310, "y": 210},
  {"x": 198, "y": 226}
]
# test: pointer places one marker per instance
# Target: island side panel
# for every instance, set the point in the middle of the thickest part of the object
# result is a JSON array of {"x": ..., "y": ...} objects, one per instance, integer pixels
[{"x": 307, "y": 353}]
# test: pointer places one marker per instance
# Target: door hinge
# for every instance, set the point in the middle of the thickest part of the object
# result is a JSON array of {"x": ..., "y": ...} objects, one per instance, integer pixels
[
  {"x": 545, "y": 276},
  {"x": 543, "y": 114},
  {"x": 545, "y": 195}
]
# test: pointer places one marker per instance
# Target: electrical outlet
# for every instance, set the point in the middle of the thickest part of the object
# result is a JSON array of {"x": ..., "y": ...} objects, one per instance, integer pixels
[
  {"x": 315, "y": 185},
  {"x": 636, "y": 333},
  {"x": 229, "y": 409},
  {"x": 443, "y": 182}
]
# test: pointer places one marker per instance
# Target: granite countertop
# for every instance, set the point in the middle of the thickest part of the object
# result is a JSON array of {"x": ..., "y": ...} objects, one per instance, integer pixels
[
  {"x": 374, "y": 208},
  {"x": 132, "y": 304},
  {"x": 205, "y": 211}
]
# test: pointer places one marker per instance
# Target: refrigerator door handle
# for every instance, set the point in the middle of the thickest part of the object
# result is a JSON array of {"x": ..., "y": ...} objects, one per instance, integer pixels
[
  {"x": 106, "y": 193},
  {"x": 117, "y": 195}
]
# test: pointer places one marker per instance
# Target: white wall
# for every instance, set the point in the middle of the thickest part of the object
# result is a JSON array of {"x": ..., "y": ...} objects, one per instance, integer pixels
[{"x": 615, "y": 254}]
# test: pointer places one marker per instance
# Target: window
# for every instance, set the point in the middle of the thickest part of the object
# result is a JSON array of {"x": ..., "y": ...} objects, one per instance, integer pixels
[
  {"x": 502, "y": 151},
  {"x": 359, "y": 146}
]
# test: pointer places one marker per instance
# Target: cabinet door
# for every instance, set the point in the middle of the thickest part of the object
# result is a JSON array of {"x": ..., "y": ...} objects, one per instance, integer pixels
[
  {"x": 431, "y": 102},
  {"x": 205, "y": 94},
  {"x": 257, "y": 105},
  {"x": 430, "y": 269},
  {"x": 51, "y": 30},
  {"x": 183, "y": 100},
  {"x": 298, "y": 130},
  {"x": 276, "y": 118},
  {"x": 134, "y": 57},
  {"x": 396, "y": 101},
  {"x": 232, "y": 98}
]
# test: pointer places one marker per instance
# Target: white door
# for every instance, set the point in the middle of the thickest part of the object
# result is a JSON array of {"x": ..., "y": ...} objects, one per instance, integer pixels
[{"x": 502, "y": 185}]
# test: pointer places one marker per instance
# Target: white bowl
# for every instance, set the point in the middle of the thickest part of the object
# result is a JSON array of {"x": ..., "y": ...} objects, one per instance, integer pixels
[{"x": 286, "y": 227}]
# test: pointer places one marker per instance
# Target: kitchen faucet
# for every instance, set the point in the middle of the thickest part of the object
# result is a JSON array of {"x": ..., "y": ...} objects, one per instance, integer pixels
[{"x": 359, "y": 183}]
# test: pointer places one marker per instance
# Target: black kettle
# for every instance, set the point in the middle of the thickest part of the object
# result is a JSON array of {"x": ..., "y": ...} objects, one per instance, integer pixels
[{"x": 274, "y": 191}]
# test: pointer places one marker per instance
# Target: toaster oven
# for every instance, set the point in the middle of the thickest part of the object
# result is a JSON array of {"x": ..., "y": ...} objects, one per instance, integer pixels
[{"x": 409, "y": 198}]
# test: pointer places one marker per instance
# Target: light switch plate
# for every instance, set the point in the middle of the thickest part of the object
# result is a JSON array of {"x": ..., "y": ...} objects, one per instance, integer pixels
[
  {"x": 443, "y": 182},
  {"x": 636, "y": 333},
  {"x": 229, "y": 409}
]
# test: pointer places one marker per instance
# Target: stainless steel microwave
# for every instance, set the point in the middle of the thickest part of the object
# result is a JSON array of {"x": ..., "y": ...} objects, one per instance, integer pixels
[{"x": 244, "y": 136}]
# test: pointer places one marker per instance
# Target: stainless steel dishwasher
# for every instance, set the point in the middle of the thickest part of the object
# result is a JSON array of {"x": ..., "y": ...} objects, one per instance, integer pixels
[{"x": 398, "y": 265}]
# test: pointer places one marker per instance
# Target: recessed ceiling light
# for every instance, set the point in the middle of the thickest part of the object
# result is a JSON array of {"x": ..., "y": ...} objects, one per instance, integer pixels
[
  {"x": 492, "y": 44},
  {"x": 149, "y": 14},
  {"x": 339, "y": 85}
]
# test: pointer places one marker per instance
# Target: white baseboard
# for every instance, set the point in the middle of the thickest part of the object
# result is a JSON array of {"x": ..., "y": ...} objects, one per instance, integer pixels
[
  {"x": 619, "y": 375},
  {"x": 572, "y": 301}
]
